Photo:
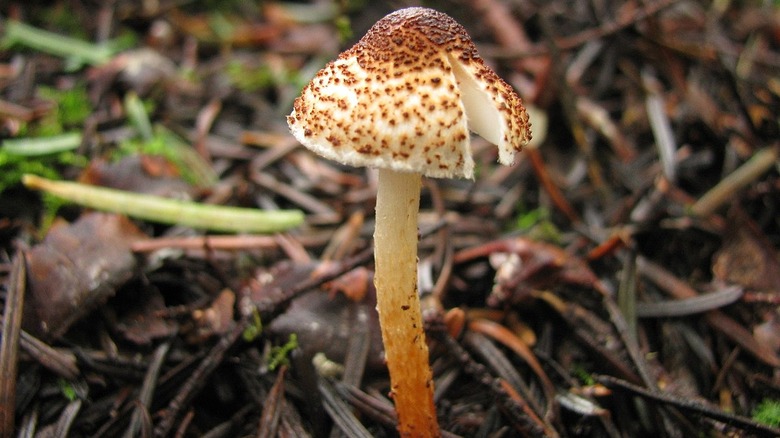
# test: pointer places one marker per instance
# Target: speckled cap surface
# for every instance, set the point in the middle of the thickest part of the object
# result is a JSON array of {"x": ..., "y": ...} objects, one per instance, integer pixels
[{"x": 405, "y": 97}]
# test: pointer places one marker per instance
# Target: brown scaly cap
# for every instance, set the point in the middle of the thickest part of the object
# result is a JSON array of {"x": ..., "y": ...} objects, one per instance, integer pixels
[{"x": 405, "y": 96}]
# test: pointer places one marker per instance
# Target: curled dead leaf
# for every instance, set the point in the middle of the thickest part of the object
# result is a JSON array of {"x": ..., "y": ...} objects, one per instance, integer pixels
[{"x": 75, "y": 269}]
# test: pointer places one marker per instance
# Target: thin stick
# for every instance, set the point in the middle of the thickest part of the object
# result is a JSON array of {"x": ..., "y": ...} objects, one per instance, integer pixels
[
  {"x": 9, "y": 344},
  {"x": 198, "y": 378},
  {"x": 717, "y": 319},
  {"x": 725, "y": 190},
  {"x": 690, "y": 406},
  {"x": 545, "y": 179},
  {"x": 395, "y": 253}
]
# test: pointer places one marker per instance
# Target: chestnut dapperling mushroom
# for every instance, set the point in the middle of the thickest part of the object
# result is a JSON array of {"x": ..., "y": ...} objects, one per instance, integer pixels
[{"x": 403, "y": 100}]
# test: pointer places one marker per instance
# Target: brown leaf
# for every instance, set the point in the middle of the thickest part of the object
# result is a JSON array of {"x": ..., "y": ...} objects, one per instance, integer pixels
[
  {"x": 323, "y": 324},
  {"x": 321, "y": 320},
  {"x": 75, "y": 269},
  {"x": 354, "y": 284},
  {"x": 141, "y": 321},
  {"x": 746, "y": 258},
  {"x": 150, "y": 174},
  {"x": 524, "y": 264}
]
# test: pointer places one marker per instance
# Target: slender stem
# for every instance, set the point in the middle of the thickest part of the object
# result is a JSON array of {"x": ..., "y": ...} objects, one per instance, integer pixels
[
  {"x": 395, "y": 242},
  {"x": 169, "y": 211}
]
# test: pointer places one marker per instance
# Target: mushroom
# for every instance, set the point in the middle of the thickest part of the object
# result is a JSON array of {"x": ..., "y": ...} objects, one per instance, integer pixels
[{"x": 403, "y": 100}]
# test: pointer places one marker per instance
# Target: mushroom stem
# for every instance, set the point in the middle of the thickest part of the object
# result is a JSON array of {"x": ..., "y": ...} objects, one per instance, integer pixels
[{"x": 395, "y": 246}]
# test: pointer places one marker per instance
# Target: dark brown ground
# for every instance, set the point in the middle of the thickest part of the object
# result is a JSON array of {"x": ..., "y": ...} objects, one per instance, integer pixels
[{"x": 620, "y": 280}]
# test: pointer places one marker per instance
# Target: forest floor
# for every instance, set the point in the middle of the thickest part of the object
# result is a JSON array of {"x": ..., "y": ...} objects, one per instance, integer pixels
[{"x": 621, "y": 279}]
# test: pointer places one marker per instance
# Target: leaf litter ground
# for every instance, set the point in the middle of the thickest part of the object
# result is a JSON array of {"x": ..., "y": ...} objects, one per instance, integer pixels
[{"x": 621, "y": 279}]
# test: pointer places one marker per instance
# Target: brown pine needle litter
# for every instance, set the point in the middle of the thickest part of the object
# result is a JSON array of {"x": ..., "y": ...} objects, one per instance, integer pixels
[{"x": 322, "y": 219}]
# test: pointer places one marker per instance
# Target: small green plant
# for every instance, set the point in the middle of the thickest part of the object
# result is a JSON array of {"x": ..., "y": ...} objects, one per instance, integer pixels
[
  {"x": 42, "y": 157},
  {"x": 72, "y": 108},
  {"x": 583, "y": 375},
  {"x": 343, "y": 27},
  {"x": 527, "y": 220},
  {"x": 47, "y": 146},
  {"x": 68, "y": 390},
  {"x": 249, "y": 77},
  {"x": 254, "y": 329},
  {"x": 37, "y": 156},
  {"x": 768, "y": 412},
  {"x": 279, "y": 353},
  {"x": 157, "y": 140},
  {"x": 537, "y": 224},
  {"x": 166, "y": 144}
]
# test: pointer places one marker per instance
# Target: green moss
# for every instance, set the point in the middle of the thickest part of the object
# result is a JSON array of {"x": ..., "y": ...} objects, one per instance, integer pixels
[
  {"x": 254, "y": 329},
  {"x": 247, "y": 77},
  {"x": 67, "y": 389},
  {"x": 583, "y": 375},
  {"x": 344, "y": 28},
  {"x": 159, "y": 141},
  {"x": 279, "y": 354},
  {"x": 72, "y": 105},
  {"x": 192, "y": 168},
  {"x": 768, "y": 412},
  {"x": 537, "y": 224}
]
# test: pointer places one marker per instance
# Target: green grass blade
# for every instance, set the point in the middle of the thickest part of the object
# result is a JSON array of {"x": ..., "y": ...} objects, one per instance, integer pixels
[
  {"x": 169, "y": 211},
  {"x": 37, "y": 146},
  {"x": 55, "y": 44}
]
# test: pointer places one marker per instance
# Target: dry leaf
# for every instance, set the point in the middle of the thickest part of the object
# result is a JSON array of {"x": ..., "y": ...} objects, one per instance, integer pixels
[
  {"x": 75, "y": 269},
  {"x": 745, "y": 257},
  {"x": 140, "y": 321}
]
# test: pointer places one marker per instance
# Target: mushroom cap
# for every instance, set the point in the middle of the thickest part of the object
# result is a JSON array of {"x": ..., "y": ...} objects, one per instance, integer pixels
[{"x": 405, "y": 97}]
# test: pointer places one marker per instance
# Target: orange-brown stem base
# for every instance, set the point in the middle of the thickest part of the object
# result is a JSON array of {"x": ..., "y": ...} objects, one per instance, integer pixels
[{"x": 398, "y": 304}]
